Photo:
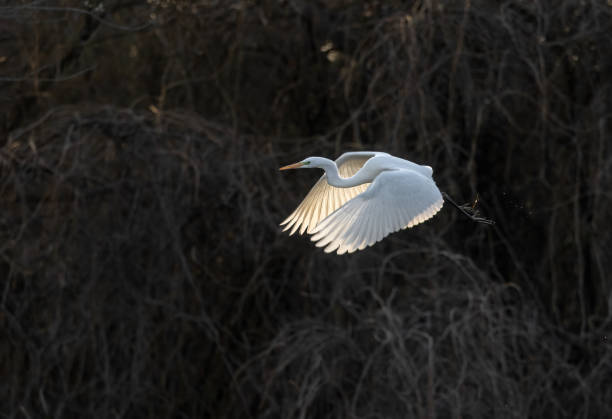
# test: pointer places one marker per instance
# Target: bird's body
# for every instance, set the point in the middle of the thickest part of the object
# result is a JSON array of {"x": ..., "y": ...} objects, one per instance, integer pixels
[{"x": 362, "y": 198}]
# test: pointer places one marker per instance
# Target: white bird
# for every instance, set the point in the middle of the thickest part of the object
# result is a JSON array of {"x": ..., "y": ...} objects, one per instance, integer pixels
[{"x": 362, "y": 198}]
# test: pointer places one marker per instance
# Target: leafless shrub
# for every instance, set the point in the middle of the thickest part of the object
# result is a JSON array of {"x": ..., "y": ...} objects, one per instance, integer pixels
[{"x": 146, "y": 276}]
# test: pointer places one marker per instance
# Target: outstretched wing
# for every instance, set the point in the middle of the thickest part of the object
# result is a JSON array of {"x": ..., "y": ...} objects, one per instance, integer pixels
[
  {"x": 395, "y": 200},
  {"x": 323, "y": 199}
]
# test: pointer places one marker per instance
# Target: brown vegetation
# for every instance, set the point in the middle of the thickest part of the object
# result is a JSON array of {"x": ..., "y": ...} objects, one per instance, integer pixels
[{"x": 143, "y": 270}]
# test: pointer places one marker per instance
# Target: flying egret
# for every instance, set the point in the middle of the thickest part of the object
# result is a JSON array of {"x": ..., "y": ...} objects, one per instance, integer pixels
[{"x": 362, "y": 198}]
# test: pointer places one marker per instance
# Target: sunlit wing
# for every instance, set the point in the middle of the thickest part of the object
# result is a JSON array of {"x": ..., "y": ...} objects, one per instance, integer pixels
[
  {"x": 395, "y": 200},
  {"x": 323, "y": 199}
]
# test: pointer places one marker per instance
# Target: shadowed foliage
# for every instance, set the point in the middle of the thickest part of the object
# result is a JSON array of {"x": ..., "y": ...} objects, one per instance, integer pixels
[{"x": 143, "y": 272}]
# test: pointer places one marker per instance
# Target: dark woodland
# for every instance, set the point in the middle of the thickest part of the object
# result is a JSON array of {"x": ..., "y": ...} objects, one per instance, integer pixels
[{"x": 143, "y": 272}]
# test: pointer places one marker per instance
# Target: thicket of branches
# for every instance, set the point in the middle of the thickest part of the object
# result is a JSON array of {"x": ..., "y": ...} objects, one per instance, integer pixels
[{"x": 143, "y": 273}]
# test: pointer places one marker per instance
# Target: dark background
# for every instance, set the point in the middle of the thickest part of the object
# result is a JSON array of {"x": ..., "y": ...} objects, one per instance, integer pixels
[{"x": 143, "y": 273}]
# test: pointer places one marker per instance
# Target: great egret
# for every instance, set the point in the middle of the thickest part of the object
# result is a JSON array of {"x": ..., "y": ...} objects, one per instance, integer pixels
[{"x": 362, "y": 198}]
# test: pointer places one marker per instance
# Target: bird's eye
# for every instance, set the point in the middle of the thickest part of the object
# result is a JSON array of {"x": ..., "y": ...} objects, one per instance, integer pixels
[{"x": 306, "y": 163}]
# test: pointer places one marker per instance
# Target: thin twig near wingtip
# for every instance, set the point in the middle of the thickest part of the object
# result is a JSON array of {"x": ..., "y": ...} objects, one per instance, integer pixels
[{"x": 468, "y": 211}]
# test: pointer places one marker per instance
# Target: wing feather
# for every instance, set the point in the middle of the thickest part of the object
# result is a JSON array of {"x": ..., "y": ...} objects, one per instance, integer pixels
[
  {"x": 323, "y": 199},
  {"x": 394, "y": 200},
  {"x": 345, "y": 221},
  {"x": 368, "y": 231},
  {"x": 351, "y": 237},
  {"x": 376, "y": 227}
]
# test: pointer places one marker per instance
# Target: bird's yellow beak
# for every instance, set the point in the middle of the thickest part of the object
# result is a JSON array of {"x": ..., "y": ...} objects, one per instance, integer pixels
[{"x": 292, "y": 166}]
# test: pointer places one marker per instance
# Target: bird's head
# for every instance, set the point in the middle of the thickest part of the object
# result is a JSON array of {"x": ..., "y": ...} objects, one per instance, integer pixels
[{"x": 308, "y": 163}]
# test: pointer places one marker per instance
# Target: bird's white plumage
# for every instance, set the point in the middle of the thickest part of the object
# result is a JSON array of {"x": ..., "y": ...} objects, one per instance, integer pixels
[
  {"x": 395, "y": 200},
  {"x": 375, "y": 195},
  {"x": 323, "y": 199}
]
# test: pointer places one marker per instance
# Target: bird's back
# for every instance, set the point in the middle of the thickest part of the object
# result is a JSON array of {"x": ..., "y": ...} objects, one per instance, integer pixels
[{"x": 381, "y": 162}]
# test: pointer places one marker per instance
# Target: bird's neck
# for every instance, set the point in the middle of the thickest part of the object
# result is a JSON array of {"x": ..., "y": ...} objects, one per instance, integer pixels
[{"x": 334, "y": 179}]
